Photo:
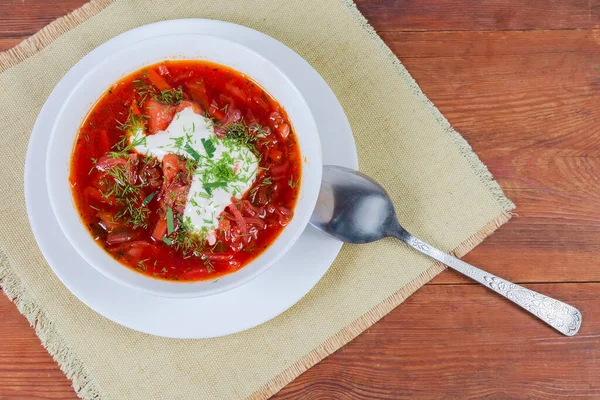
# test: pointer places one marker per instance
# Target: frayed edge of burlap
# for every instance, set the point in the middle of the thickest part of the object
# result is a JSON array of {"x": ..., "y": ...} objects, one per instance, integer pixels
[
  {"x": 45, "y": 330},
  {"x": 34, "y": 44},
  {"x": 479, "y": 168},
  {"x": 365, "y": 321}
]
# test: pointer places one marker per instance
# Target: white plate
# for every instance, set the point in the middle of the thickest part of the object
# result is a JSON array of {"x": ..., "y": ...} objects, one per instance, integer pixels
[
  {"x": 91, "y": 77},
  {"x": 252, "y": 304}
]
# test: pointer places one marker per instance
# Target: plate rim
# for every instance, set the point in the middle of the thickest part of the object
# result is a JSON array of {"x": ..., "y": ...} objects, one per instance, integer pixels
[
  {"x": 147, "y": 31},
  {"x": 79, "y": 76}
]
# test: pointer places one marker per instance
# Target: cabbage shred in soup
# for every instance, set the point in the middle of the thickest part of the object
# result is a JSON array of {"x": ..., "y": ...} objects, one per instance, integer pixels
[{"x": 186, "y": 170}]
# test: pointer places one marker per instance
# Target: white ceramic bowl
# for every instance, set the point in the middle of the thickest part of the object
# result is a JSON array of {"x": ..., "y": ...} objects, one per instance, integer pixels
[{"x": 87, "y": 90}]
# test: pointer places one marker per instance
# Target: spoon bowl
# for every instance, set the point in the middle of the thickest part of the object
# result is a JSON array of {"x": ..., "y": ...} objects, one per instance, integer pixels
[{"x": 353, "y": 208}]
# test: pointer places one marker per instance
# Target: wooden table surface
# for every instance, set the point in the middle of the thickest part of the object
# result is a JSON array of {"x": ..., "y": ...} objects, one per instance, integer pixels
[{"x": 521, "y": 81}]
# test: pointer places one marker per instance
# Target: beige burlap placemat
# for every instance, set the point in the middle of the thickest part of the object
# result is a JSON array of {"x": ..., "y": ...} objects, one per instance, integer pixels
[{"x": 444, "y": 194}]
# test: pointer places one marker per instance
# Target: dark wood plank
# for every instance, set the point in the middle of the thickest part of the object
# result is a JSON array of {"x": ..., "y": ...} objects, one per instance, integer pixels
[
  {"x": 9, "y": 43},
  {"x": 20, "y": 18},
  {"x": 458, "y": 342},
  {"x": 402, "y": 356},
  {"x": 26, "y": 369},
  {"x": 462, "y": 15},
  {"x": 527, "y": 103}
]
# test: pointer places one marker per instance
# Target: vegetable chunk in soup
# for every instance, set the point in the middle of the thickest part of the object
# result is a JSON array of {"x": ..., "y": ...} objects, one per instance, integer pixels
[{"x": 186, "y": 171}]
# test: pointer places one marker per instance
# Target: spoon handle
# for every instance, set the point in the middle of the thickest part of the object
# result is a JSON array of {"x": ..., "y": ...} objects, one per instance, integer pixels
[{"x": 564, "y": 318}]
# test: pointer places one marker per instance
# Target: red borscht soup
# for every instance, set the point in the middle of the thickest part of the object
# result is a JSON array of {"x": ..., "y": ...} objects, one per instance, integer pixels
[{"x": 186, "y": 171}]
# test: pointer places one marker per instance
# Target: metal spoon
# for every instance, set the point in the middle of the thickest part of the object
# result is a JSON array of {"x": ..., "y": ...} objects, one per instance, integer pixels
[{"x": 355, "y": 209}]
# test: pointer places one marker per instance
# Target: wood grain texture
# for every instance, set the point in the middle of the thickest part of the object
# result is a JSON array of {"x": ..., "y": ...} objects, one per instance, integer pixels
[
  {"x": 23, "y": 18},
  {"x": 8, "y": 43},
  {"x": 527, "y": 103},
  {"x": 462, "y": 15},
  {"x": 520, "y": 80},
  {"x": 26, "y": 369},
  {"x": 479, "y": 347}
]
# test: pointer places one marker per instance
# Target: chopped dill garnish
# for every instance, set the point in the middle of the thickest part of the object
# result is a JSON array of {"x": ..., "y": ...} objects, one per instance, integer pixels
[
  {"x": 169, "y": 96},
  {"x": 148, "y": 199},
  {"x": 244, "y": 135},
  {"x": 142, "y": 265},
  {"x": 178, "y": 141},
  {"x": 258, "y": 130},
  {"x": 209, "y": 147},
  {"x": 126, "y": 195},
  {"x": 132, "y": 125},
  {"x": 209, "y": 186},
  {"x": 190, "y": 167},
  {"x": 170, "y": 223},
  {"x": 266, "y": 182},
  {"x": 293, "y": 184},
  {"x": 188, "y": 148},
  {"x": 188, "y": 240},
  {"x": 132, "y": 121},
  {"x": 209, "y": 266}
]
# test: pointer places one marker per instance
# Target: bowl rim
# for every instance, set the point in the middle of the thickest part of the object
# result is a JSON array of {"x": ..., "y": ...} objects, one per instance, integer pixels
[{"x": 170, "y": 288}]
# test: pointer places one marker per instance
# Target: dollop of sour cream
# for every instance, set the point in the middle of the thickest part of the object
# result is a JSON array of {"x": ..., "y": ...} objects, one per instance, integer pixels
[{"x": 225, "y": 167}]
